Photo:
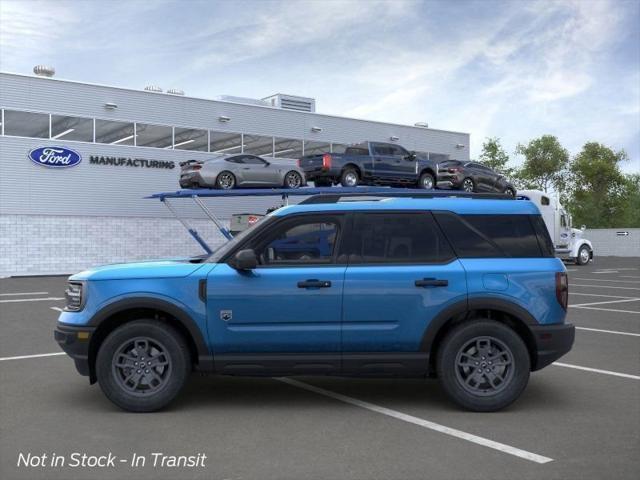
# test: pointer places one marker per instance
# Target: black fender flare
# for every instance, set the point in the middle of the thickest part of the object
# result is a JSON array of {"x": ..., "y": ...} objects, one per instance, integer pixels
[
  {"x": 463, "y": 307},
  {"x": 119, "y": 306}
]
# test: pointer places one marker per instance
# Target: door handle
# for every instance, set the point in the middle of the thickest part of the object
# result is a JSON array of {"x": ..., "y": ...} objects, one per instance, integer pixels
[
  {"x": 313, "y": 283},
  {"x": 431, "y": 282}
]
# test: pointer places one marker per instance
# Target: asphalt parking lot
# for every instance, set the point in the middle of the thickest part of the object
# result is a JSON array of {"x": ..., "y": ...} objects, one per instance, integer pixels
[{"x": 579, "y": 418}]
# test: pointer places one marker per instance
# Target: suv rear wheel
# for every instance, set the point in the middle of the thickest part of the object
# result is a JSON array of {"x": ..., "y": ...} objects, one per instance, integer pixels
[
  {"x": 483, "y": 365},
  {"x": 142, "y": 365},
  {"x": 468, "y": 185}
]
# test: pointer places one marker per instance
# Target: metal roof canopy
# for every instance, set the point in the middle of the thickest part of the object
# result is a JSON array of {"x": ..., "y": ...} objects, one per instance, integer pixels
[{"x": 317, "y": 195}]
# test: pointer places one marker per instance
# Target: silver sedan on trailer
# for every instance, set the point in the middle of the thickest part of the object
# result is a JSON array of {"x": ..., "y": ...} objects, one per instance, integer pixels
[{"x": 244, "y": 170}]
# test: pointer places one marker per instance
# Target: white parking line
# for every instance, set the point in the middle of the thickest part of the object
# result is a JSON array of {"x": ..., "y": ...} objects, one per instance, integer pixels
[
  {"x": 608, "y": 309},
  {"x": 597, "y": 370},
  {"x": 23, "y": 357},
  {"x": 608, "y": 331},
  {"x": 603, "y": 286},
  {"x": 629, "y": 276},
  {"x": 606, "y": 272},
  {"x": 602, "y": 303},
  {"x": 13, "y": 300},
  {"x": 607, "y": 280},
  {"x": 23, "y": 293},
  {"x": 485, "y": 442},
  {"x": 57, "y": 309},
  {"x": 597, "y": 295}
]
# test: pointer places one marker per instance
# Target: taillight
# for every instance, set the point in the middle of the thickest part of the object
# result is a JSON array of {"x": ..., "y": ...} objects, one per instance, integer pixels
[
  {"x": 299, "y": 162},
  {"x": 562, "y": 289},
  {"x": 453, "y": 170},
  {"x": 326, "y": 161}
]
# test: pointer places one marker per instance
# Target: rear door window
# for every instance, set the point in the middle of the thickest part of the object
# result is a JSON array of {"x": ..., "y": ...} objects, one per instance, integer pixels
[
  {"x": 397, "y": 238},
  {"x": 486, "y": 236}
]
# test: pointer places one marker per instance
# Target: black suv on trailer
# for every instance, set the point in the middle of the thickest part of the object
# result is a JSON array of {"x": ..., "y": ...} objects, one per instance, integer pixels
[
  {"x": 370, "y": 163},
  {"x": 472, "y": 177}
]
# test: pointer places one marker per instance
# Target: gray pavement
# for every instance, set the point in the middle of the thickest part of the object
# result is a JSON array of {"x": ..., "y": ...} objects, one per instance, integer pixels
[{"x": 587, "y": 422}]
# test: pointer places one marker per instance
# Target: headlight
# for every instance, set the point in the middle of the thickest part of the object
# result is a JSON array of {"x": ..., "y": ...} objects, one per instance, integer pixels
[{"x": 74, "y": 297}]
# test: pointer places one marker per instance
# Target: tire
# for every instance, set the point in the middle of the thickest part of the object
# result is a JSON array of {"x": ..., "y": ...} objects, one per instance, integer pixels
[
  {"x": 426, "y": 181},
  {"x": 510, "y": 191},
  {"x": 322, "y": 182},
  {"x": 468, "y": 185},
  {"x": 460, "y": 346},
  {"x": 293, "y": 180},
  {"x": 584, "y": 255},
  {"x": 225, "y": 180},
  {"x": 349, "y": 178},
  {"x": 129, "y": 345}
]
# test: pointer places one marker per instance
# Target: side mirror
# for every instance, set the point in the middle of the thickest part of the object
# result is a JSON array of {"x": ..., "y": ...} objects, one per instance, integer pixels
[
  {"x": 411, "y": 156},
  {"x": 244, "y": 260},
  {"x": 583, "y": 228}
]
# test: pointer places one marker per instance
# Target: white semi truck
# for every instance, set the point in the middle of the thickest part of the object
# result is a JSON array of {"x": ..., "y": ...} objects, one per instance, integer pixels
[{"x": 568, "y": 242}]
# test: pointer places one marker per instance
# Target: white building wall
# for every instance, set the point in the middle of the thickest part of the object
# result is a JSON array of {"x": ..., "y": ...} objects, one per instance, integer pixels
[
  {"x": 56, "y": 244},
  {"x": 613, "y": 242}
]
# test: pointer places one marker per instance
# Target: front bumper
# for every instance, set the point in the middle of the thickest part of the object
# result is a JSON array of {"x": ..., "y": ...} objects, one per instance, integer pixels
[
  {"x": 75, "y": 343},
  {"x": 552, "y": 342}
]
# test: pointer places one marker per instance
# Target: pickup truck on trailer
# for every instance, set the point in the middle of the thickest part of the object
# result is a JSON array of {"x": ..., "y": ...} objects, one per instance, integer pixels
[{"x": 370, "y": 163}]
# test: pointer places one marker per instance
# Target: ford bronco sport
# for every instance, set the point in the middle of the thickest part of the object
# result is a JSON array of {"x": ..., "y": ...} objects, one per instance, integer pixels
[{"x": 463, "y": 289}]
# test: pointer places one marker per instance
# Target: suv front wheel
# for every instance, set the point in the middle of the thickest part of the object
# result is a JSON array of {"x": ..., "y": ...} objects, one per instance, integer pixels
[
  {"x": 483, "y": 365},
  {"x": 142, "y": 365}
]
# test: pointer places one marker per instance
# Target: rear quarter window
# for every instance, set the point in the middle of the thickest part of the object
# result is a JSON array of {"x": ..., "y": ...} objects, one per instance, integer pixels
[{"x": 486, "y": 236}]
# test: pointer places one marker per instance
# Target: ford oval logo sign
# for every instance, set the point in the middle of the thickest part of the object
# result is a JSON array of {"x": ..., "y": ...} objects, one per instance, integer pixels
[{"x": 55, "y": 157}]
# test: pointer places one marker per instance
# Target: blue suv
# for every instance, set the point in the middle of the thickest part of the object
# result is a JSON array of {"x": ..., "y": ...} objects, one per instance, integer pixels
[{"x": 467, "y": 290}]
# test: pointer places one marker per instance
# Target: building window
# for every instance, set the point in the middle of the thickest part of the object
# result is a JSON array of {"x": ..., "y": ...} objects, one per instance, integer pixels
[
  {"x": 114, "y": 133},
  {"x": 191, "y": 139},
  {"x": 26, "y": 124},
  {"x": 316, "y": 148},
  {"x": 71, "y": 128},
  {"x": 287, "y": 148},
  {"x": 225, "y": 143},
  {"x": 258, "y": 145},
  {"x": 157, "y": 136}
]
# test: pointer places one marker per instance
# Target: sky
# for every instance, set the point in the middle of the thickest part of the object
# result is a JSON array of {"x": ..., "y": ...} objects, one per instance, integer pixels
[{"x": 514, "y": 70}]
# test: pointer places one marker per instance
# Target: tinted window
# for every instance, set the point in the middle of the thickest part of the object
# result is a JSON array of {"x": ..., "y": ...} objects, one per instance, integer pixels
[
  {"x": 398, "y": 151},
  {"x": 491, "y": 235},
  {"x": 467, "y": 242},
  {"x": 544, "y": 200},
  {"x": 238, "y": 159},
  {"x": 397, "y": 238},
  {"x": 305, "y": 241},
  {"x": 356, "y": 151},
  {"x": 544, "y": 240},
  {"x": 382, "y": 149},
  {"x": 253, "y": 160}
]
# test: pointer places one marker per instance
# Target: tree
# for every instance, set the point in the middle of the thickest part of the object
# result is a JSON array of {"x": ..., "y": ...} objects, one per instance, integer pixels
[
  {"x": 493, "y": 155},
  {"x": 630, "y": 216},
  {"x": 545, "y": 163},
  {"x": 600, "y": 195}
]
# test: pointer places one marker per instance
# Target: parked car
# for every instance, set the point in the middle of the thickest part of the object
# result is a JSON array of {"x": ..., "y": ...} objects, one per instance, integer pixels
[
  {"x": 232, "y": 171},
  {"x": 569, "y": 242},
  {"x": 465, "y": 289},
  {"x": 472, "y": 177},
  {"x": 370, "y": 163}
]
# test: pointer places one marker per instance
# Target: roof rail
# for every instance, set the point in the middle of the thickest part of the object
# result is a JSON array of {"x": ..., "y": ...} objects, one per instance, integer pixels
[{"x": 337, "y": 197}]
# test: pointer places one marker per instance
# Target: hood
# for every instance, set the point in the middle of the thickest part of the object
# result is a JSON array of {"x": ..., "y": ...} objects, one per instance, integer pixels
[
  {"x": 138, "y": 270},
  {"x": 577, "y": 233}
]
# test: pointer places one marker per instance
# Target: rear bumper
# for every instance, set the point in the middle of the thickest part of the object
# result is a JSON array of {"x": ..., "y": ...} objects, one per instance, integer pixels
[
  {"x": 75, "y": 343},
  {"x": 448, "y": 181},
  {"x": 188, "y": 180},
  {"x": 552, "y": 342}
]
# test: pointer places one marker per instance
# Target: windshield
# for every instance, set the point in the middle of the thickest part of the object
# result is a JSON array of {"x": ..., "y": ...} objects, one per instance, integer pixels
[{"x": 227, "y": 247}]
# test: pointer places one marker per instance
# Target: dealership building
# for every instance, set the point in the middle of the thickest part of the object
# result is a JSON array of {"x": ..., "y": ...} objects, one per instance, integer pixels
[{"x": 127, "y": 144}]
